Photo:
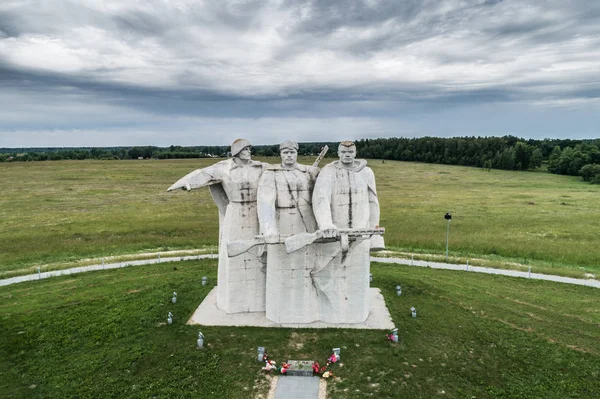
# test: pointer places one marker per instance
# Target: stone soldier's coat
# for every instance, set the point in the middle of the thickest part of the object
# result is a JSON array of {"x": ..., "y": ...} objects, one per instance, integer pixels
[
  {"x": 285, "y": 207},
  {"x": 345, "y": 198},
  {"x": 241, "y": 279}
]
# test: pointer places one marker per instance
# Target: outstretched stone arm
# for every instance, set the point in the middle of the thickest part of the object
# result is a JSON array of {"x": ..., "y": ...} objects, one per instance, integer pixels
[{"x": 198, "y": 178}]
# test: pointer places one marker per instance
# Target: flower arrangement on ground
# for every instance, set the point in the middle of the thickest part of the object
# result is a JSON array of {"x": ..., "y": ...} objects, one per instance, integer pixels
[{"x": 323, "y": 371}]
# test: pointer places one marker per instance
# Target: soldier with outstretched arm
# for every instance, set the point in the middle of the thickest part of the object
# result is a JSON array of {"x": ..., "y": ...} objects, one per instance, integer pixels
[{"x": 233, "y": 184}]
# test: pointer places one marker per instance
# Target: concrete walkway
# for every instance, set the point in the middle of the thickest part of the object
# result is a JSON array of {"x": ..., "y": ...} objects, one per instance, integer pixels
[
  {"x": 102, "y": 266},
  {"x": 489, "y": 270},
  {"x": 294, "y": 387},
  {"x": 418, "y": 263}
]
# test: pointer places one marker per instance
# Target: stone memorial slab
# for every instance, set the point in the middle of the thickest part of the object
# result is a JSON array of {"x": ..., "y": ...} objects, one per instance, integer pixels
[
  {"x": 291, "y": 387},
  {"x": 301, "y": 368}
]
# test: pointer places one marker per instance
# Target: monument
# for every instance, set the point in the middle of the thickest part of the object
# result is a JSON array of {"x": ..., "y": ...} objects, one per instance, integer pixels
[
  {"x": 285, "y": 209},
  {"x": 233, "y": 183},
  {"x": 345, "y": 198},
  {"x": 317, "y": 228}
]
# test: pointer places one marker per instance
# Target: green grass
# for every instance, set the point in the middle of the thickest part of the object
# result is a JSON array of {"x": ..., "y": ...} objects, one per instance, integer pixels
[
  {"x": 53, "y": 213},
  {"x": 103, "y": 334}
]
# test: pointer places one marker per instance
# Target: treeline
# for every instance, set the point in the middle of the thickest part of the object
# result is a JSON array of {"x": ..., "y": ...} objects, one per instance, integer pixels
[
  {"x": 580, "y": 160},
  {"x": 563, "y": 156},
  {"x": 144, "y": 152}
]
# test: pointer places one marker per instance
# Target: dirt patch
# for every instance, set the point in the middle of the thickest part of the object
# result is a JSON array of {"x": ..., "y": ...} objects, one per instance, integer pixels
[
  {"x": 272, "y": 386},
  {"x": 525, "y": 303},
  {"x": 297, "y": 340},
  {"x": 516, "y": 327},
  {"x": 533, "y": 316}
]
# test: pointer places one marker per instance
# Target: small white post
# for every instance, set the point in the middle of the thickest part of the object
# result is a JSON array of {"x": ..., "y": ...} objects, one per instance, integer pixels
[
  {"x": 159, "y": 257},
  {"x": 103, "y": 264},
  {"x": 39, "y": 273},
  {"x": 529, "y": 273},
  {"x": 467, "y": 264},
  {"x": 412, "y": 259}
]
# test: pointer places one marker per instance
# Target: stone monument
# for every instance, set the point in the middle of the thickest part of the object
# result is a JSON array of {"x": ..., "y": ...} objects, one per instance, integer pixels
[
  {"x": 345, "y": 197},
  {"x": 317, "y": 227},
  {"x": 233, "y": 185},
  {"x": 285, "y": 209}
]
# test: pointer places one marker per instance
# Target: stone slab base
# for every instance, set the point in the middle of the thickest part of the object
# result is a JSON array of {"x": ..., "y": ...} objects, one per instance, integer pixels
[{"x": 207, "y": 314}]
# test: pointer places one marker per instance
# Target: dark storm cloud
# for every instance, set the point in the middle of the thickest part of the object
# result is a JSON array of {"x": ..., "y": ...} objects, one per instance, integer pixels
[{"x": 88, "y": 64}]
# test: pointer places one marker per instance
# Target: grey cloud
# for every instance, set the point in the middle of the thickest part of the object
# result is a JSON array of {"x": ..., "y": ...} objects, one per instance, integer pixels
[
  {"x": 140, "y": 24},
  {"x": 294, "y": 59}
]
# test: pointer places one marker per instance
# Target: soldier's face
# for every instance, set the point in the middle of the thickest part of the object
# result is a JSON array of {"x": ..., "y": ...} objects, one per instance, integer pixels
[
  {"x": 347, "y": 154},
  {"x": 289, "y": 156},
  {"x": 245, "y": 154}
]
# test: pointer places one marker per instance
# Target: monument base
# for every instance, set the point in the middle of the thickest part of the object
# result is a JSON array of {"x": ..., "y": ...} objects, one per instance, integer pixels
[{"x": 207, "y": 314}]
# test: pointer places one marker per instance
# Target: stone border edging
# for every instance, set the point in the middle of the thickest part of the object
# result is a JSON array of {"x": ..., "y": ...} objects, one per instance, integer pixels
[
  {"x": 489, "y": 270},
  {"x": 407, "y": 262},
  {"x": 91, "y": 268}
]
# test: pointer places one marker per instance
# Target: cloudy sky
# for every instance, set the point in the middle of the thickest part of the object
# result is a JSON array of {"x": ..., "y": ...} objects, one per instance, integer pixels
[{"x": 192, "y": 72}]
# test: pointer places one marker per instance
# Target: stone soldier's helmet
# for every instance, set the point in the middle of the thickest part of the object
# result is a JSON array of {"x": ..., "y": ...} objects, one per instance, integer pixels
[
  {"x": 288, "y": 144},
  {"x": 238, "y": 145}
]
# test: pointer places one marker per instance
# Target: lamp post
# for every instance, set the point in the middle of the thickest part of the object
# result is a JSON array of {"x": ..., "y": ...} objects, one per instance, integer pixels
[{"x": 448, "y": 217}]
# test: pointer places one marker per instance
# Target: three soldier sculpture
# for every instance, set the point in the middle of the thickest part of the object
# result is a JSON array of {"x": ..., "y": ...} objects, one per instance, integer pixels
[{"x": 294, "y": 240}]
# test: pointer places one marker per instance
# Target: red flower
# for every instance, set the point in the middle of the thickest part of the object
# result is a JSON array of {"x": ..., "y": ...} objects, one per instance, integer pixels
[{"x": 315, "y": 367}]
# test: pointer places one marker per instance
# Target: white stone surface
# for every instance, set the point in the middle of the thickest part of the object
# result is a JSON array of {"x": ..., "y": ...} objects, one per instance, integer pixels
[
  {"x": 207, "y": 314},
  {"x": 234, "y": 184},
  {"x": 285, "y": 208},
  {"x": 344, "y": 197}
]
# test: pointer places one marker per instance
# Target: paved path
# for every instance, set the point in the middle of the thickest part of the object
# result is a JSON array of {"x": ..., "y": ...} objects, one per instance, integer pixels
[
  {"x": 419, "y": 263},
  {"x": 488, "y": 270},
  {"x": 294, "y": 387},
  {"x": 102, "y": 266}
]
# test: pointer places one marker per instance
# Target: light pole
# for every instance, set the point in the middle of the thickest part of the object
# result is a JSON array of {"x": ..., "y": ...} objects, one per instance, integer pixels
[{"x": 448, "y": 217}]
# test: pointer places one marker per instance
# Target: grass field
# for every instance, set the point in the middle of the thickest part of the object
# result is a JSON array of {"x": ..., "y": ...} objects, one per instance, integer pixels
[
  {"x": 103, "y": 334},
  {"x": 52, "y": 213}
]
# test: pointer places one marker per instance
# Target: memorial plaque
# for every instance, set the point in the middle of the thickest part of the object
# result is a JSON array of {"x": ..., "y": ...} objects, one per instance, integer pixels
[{"x": 302, "y": 368}]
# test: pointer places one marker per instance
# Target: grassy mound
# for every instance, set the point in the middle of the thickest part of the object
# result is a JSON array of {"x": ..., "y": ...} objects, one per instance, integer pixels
[{"x": 103, "y": 334}]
